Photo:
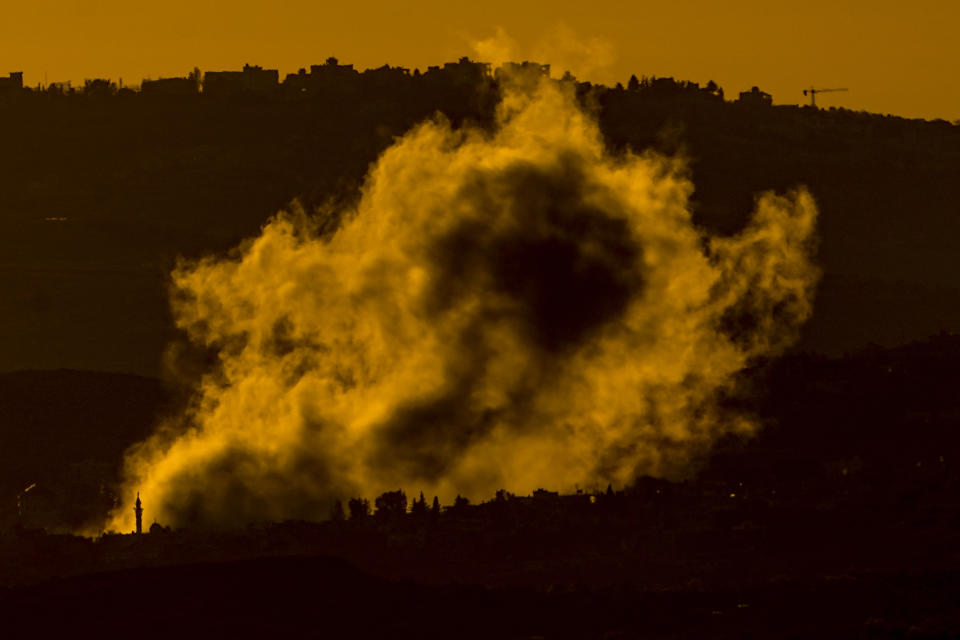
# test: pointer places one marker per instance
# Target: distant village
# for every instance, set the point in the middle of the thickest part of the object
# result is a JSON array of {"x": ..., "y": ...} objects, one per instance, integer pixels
[
  {"x": 254, "y": 79},
  {"x": 474, "y": 85}
]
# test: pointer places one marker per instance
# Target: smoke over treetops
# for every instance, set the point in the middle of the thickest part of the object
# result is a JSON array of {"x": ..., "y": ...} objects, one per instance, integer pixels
[{"x": 515, "y": 309}]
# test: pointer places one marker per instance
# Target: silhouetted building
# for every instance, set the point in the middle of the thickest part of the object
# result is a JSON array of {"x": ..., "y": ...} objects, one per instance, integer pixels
[
  {"x": 525, "y": 67},
  {"x": 138, "y": 511},
  {"x": 385, "y": 79},
  {"x": 542, "y": 494},
  {"x": 253, "y": 79},
  {"x": 169, "y": 87},
  {"x": 14, "y": 82},
  {"x": 755, "y": 97},
  {"x": 333, "y": 70},
  {"x": 330, "y": 77},
  {"x": 466, "y": 71},
  {"x": 296, "y": 82}
]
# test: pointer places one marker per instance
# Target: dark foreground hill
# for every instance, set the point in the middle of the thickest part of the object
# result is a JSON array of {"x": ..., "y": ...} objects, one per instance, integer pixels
[
  {"x": 839, "y": 518},
  {"x": 100, "y": 194},
  {"x": 322, "y": 597}
]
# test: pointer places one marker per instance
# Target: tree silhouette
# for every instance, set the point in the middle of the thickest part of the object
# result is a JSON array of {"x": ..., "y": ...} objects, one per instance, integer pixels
[
  {"x": 435, "y": 510},
  {"x": 419, "y": 506},
  {"x": 336, "y": 512},
  {"x": 391, "y": 504},
  {"x": 714, "y": 89},
  {"x": 359, "y": 508},
  {"x": 633, "y": 84}
]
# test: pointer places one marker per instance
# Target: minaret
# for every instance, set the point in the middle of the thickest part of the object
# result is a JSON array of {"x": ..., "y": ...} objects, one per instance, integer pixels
[{"x": 139, "y": 511}]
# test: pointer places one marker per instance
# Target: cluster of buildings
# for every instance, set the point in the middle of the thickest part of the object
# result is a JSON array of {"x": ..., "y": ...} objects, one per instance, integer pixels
[
  {"x": 329, "y": 73},
  {"x": 333, "y": 76},
  {"x": 252, "y": 79},
  {"x": 169, "y": 86},
  {"x": 14, "y": 82},
  {"x": 755, "y": 98}
]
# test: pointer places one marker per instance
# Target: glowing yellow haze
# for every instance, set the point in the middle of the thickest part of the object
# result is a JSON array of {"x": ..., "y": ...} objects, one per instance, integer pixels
[
  {"x": 514, "y": 309},
  {"x": 895, "y": 57}
]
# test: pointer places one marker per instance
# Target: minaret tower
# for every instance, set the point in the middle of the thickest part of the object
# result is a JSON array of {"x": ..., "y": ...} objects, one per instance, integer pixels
[{"x": 139, "y": 511}]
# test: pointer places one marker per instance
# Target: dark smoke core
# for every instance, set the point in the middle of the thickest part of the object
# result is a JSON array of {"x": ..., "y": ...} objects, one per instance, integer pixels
[{"x": 560, "y": 268}]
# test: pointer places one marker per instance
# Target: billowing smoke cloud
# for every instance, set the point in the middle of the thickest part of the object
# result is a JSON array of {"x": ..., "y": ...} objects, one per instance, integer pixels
[{"x": 512, "y": 309}]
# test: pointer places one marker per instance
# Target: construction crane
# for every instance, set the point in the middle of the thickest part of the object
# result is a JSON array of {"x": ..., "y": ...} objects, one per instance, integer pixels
[{"x": 813, "y": 94}]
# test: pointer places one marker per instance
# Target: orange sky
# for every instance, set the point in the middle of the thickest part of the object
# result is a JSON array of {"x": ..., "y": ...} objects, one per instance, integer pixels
[{"x": 895, "y": 57}]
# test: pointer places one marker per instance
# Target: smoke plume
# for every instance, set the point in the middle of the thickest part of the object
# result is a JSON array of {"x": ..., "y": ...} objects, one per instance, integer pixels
[
  {"x": 585, "y": 57},
  {"x": 511, "y": 309}
]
